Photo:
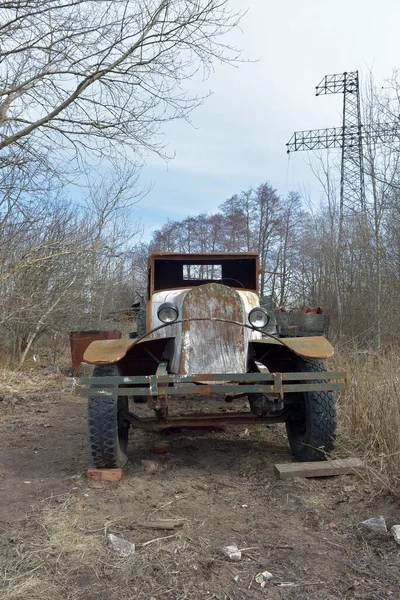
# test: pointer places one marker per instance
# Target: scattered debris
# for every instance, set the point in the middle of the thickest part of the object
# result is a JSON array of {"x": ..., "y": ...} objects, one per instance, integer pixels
[
  {"x": 120, "y": 545},
  {"x": 376, "y": 524},
  {"x": 232, "y": 552},
  {"x": 262, "y": 578},
  {"x": 327, "y": 468},
  {"x": 166, "y": 537},
  {"x": 236, "y": 578},
  {"x": 161, "y": 524},
  {"x": 161, "y": 448},
  {"x": 150, "y": 466},
  {"x": 396, "y": 533},
  {"x": 245, "y": 506}
]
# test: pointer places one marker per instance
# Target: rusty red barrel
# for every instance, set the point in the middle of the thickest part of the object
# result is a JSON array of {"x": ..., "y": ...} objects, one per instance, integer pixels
[{"x": 80, "y": 340}]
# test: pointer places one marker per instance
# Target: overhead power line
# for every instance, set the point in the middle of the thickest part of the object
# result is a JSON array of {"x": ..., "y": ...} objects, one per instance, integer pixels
[{"x": 349, "y": 138}]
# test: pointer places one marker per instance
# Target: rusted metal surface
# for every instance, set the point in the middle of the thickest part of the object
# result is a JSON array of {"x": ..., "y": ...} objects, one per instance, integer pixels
[
  {"x": 308, "y": 347},
  {"x": 198, "y": 256},
  {"x": 212, "y": 346},
  {"x": 202, "y": 420},
  {"x": 158, "y": 398},
  {"x": 222, "y": 383},
  {"x": 110, "y": 351},
  {"x": 107, "y": 351},
  {"x": 305, "y": 322},
  {"x": 80, "y": 340},
  {"x": 235, "y": 259},
  {"x": 210, "y": 304},
  {"x": 156, "y": 387}
]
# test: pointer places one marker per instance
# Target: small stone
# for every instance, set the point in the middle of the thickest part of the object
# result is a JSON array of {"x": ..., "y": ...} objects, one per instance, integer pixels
[
  {"x": 119, "y": 545},
  {"x": 161, "y": 448},
  {"x": 236, "y": 578},
  {"x": 396, "y": 533},
  {"x": 150, "y": 466},
  {"x": 350, "y": 488},
  {"x": 377, "y": 524},
  {"x": 332, "y": 526},
  {"x": 232, "y": 552}
]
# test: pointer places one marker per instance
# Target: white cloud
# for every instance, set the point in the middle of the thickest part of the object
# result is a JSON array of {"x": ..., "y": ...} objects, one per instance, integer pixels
[{"x": 238, "y": 136}]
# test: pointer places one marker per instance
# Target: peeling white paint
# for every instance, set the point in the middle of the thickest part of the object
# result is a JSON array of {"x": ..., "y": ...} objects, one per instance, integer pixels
[{"x": 214, "y": 353}]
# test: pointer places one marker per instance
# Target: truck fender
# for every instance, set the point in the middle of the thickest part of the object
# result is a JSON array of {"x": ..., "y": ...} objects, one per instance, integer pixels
[
  {"x": 104, "y": 352},
  {"x": 308, "y": 347}
]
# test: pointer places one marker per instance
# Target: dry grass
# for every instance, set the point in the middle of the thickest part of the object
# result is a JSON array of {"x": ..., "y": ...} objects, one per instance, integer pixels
[
  {"x": 68, "y": 559},
  {"x": 369, "y": 414},
  {"x": 55, "y": 557},
  {"x": 27, "y": 384},
  {"x": 65, "y": 557}
]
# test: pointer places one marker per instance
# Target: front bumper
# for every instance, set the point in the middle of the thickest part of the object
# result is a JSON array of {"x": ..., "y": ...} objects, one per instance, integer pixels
[
  {"x": 159, "y": 387},
  {"x": 165, "y": 384}
]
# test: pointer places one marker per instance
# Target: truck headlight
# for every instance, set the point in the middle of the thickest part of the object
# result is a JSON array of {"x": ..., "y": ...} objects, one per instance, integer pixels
[
  {"x": 167, "y": 312},
  {"x": 258, "y": 317}
]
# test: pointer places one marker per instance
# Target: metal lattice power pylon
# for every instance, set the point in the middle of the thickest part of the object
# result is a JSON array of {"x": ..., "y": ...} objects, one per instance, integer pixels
[{"x": 349, "y": 138}]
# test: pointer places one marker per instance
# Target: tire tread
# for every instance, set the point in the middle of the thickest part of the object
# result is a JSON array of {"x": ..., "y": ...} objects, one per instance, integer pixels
[
  {"x": 322, "y": 419},
  {"x": 103, "y": 438}
]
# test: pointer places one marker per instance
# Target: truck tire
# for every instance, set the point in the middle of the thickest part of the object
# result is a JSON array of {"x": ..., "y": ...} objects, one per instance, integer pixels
[
  {"x": 107, "y": 434},
  {"x": 311, "y": 423}
]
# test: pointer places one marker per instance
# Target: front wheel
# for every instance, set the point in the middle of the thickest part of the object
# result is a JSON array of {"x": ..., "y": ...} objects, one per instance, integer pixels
[
  {"x": 311, "y": 422},
  {"x": 107, "y": 431}
]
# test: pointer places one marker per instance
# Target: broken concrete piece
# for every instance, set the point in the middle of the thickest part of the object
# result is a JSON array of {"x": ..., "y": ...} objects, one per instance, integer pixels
[
  {"x": 119, "y": 545},
  {"x": 150, "y": 466},
  {"x": 232, "y": 552},
  {"x": 377, "y": 524},
  {"x": 395, "y": 530}
]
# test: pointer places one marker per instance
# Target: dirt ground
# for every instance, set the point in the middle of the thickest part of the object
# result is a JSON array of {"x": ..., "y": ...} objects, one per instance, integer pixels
[{"x": 220, "y": 483}]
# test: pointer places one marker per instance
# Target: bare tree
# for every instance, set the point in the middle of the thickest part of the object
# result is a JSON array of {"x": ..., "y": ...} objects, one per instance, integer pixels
[
  {"x": 62, "y": 260},
  {"x": 96, "y": 76}
]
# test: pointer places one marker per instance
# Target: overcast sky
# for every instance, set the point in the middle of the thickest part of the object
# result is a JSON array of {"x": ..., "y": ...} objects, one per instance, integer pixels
[{"x": 237, "y": 138}]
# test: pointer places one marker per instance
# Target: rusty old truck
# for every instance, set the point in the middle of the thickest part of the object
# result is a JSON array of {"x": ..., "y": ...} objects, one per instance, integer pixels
[{"x": 205, "y": 334}]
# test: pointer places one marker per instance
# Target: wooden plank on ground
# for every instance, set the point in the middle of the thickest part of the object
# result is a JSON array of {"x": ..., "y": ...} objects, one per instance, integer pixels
[{"x": 326, "y": 468}]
